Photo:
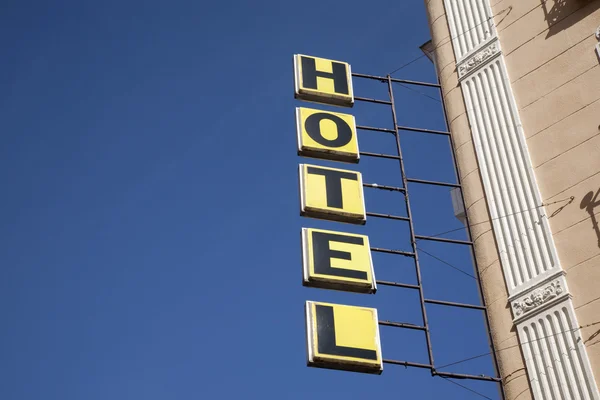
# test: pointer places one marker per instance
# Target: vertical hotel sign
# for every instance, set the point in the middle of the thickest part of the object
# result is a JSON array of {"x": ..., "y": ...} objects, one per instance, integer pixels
[{"x": 338, "y": 336}]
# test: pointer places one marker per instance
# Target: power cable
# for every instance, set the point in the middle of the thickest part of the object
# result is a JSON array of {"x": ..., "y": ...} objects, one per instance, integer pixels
[
  {"x": 447, "y": 263},
  {"x": 508, "y": 347},
  {"x": 421, "y": 93},
  {"x": 467, "y": 388},
  {"x": 509, "y": 9},
  {"x": 410, "y": 62},
  {"x": 570, "y": 200},
  {"x": 519, "y": 344}
]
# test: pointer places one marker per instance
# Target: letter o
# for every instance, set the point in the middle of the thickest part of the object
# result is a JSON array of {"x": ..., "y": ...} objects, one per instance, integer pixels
[{"x": 313, "y": 128}]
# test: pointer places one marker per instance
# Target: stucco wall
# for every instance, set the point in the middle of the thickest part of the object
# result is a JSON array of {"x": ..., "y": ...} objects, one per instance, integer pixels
[{"x": 554, "y": 71}]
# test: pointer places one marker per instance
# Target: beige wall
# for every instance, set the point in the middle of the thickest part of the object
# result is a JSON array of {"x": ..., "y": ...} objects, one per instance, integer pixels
[
  {"x": 511, "y": 365},
  {"x": 549, "y": 51}
]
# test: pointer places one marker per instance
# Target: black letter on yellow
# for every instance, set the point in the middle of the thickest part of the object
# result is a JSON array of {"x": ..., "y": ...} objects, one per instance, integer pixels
[
  {"x": 333, "y": 184},
  {"x": 313, "y": 128},
  {"x": 326, "y": 337},
  {"x": 310, "y": 74},
  {"x": 323, "y": 254}
]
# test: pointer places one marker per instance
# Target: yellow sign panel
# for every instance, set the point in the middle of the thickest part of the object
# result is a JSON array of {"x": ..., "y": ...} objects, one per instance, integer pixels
[
  {"x": 325, "y": 134},
  {"x": 331, "y": 193},
  {"x": 343, "y": 337},
  {"x": 323, "y": 81},
  {"x": 337, "y": 260}
]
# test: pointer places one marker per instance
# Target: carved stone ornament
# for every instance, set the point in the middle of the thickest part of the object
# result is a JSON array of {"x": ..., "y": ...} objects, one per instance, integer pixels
[
  {"x": 477, "y": 59},
  {"x": 537, "y": 298}
]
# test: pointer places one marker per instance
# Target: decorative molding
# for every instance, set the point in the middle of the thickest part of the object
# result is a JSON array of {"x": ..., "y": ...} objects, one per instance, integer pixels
[
  {"x": 559, "y": 274},
  {"x": 538, "y": 297},
  {"x": 476, "y": 60}
]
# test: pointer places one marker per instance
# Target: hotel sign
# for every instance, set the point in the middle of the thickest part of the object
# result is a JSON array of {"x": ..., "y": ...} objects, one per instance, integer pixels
[
  {"x": 331, "y": 193},
  {"x": 323, "y": 81},
  {"x": 327, "y": 135},
  {"x": 338, "y": 336},
  {"x": 337, "y": 260},
  {"x": 343, "y": 337}
]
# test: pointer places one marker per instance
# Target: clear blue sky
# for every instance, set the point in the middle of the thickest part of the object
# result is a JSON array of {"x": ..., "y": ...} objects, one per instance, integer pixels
[{"x": 150, "y": 220}]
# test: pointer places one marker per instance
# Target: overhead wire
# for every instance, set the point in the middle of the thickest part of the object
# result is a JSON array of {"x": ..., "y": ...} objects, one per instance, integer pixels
[
  {"x": 570, "y": 200},
  {"x": 419, "y": 92},
  {"x": 519, "y": 344},
  {"x": 447, "y": 263},
  {"x": 507, "y": 347},
  {"x": 467, "y": 388},
  {"x": 438, "y": 46},
  {"x": 509, "y": 9}
]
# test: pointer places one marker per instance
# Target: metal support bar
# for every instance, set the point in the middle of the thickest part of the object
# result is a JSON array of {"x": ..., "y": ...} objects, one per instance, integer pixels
[
  {"x": 407, "y": 128},
  {"x": 396, "y": 284},
  {"x": 387, "y": 216},
  {"x": 374, "y": 77},
  {"x": 395, "y": 80},
  {"x": 384, "y": 187},
  {"x": 413, "y": 239},
  {"x": 370, "y": 128},
  {"x": 407, "y": 363},
  {"x": 385, "y": 78},
  {"x": 399, "y": 252},
  {"x": 372, "y": 100},
  {"x": 466, "y": 376},
  {"x": 402, "y": 325},
  {"x": 454, "y": 185},
  {"x": 366, "y": 153},
  {"x": 470, "y": 236},
  {"x": 439, "y": 239},
  {"x": 454, "y": 304}
]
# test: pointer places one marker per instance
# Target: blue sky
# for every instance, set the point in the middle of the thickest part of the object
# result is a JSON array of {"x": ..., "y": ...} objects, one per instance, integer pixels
[{"x": 150, "y": 236}]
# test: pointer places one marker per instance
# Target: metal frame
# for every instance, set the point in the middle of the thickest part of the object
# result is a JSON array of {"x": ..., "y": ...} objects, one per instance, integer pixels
[{"x": 414, "y": 237}]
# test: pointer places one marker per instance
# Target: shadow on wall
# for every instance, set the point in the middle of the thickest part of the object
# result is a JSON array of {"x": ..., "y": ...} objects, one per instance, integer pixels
[
  {"x": 562, "y": 14},
  {"x": 592, "y": 337},
  {"x": 589, "y": 203}
]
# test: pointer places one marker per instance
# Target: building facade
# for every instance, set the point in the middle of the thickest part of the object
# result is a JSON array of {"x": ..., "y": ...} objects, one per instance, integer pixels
[{"x": 521, "y": 86}]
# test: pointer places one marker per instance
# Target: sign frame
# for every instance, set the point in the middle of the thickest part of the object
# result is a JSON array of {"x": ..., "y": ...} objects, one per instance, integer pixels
[
  {"x": 333, "y": 283},
  {"x": 339, "y": 362},
  {"x": 326, "y": 153},
  {"x": 330, "y": 216},
  {"x": 312, "y": 96}
]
